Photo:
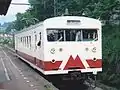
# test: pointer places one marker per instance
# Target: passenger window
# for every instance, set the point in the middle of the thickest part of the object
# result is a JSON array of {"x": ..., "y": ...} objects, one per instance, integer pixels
[
  {"x": 35, "y": 41},
  {"x": 27, "y": 42},
  {"x": 30, "y": 41}
]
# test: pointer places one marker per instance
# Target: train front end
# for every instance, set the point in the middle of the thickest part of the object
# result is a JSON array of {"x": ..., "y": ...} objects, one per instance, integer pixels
[{"x": 72, "y": 44}]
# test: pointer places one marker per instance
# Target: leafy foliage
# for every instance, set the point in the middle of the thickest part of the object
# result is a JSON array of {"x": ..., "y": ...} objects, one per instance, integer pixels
[
  {"x": 111, "y": 56},
  {"x": 108, "y": 11}
]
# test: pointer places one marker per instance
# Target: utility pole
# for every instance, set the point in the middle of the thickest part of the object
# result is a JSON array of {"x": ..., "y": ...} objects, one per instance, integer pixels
[
  {"x": 55, "y": 13},
  {"x": 66, "y": 11},
  {"x": 13, "y": 38}
]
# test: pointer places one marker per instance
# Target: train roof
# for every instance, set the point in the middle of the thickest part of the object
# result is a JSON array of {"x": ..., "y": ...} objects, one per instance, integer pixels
[
  {"x": 30, "y": 27},
  {"x": 71, "y": 18},
  {"x": 72, "y": 22},
  {"x": 60, "y": 19}
]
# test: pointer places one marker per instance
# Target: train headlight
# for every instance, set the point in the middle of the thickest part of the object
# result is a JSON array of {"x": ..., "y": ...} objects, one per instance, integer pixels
[
  {"x": 53, "y": 61},
  {"x": 94, "y": 49},
  {"x": 94, "y": 59},
  {"x": 52, "y": 51}
]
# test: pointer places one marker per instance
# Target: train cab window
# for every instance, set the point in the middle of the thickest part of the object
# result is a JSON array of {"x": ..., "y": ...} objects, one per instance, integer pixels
[
  {"x": 71, "y": 35},
  {"x": 55, "y": 35},
  {"x": 79, "y": 36},
  {"x": 89, "y": 35}
]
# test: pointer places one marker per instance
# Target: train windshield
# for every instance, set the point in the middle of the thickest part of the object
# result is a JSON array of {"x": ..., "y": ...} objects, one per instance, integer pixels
[{"x": 72, "y": 35}]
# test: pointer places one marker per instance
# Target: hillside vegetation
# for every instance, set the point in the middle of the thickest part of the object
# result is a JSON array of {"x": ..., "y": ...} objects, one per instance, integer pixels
[{"x": 108, "y": 11}]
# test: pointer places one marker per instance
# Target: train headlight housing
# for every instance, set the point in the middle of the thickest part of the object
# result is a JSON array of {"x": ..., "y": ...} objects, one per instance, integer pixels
[
  {"x": 94, "y": 49},
  {"x": 94, "y": 59},
  {"x": 53, "y": 61},
  {"x": 52, "y": 51}
]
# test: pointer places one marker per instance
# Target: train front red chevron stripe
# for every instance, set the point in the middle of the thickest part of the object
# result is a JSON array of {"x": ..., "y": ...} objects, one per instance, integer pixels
[
  {"x": 51, "y": 66},
  {"x": 74, "y": 63},
  {"x": 94, "y": 64}
]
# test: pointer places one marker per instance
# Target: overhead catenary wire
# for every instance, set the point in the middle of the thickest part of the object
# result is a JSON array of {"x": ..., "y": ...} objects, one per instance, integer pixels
[
  {"x": 55, "y": 12},
  {"x": 24, "y": 4}
]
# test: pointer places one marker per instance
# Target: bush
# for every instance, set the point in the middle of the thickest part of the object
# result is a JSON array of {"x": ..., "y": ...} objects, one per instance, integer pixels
[{"x": 111, "y": 56}]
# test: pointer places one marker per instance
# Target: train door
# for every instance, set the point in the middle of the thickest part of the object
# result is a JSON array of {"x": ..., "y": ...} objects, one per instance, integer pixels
[
  {"x": 38, "y": 50},
  {"x": 39, "y": 42}
]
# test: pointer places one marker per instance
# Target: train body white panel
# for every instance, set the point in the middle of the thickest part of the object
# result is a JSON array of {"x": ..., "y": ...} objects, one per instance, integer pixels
[
  {"x": 72, "y": 49},
  {"x": 33, "y": 49}
]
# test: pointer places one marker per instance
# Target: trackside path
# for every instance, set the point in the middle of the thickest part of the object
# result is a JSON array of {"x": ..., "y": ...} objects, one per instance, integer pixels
[
  {"x": 10, "y": 75},
  {"x": 22, "y": 77}
]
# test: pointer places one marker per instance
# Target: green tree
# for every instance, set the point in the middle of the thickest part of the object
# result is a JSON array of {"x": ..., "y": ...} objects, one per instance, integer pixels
[{"x": 108, "y": 11}]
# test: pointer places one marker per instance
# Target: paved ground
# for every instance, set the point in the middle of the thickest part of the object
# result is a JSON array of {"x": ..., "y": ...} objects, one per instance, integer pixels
[
  {"x": 2, "y": 74},
  {"x": 13, "y": 77},
  {"x": 10, "y": 77},
  {"x": 17, "y": 75}
]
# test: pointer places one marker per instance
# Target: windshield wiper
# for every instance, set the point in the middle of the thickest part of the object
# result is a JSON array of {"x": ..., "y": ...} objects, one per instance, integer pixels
[
  {"x": 60, "y": 39},
  {"x": 95, "y": 39}
]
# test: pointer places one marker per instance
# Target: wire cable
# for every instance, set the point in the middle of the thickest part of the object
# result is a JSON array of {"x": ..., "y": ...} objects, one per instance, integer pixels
[{"x": 24, "y": 4}]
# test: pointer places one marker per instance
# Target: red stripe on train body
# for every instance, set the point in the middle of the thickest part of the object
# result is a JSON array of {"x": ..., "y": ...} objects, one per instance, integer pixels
[
  {"x": 94, "y": 64},
  {"x": 48, "y": 65}
]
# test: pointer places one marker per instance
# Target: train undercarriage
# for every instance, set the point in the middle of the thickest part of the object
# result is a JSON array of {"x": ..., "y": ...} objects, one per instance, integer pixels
[{"x": 74, "y": 78}]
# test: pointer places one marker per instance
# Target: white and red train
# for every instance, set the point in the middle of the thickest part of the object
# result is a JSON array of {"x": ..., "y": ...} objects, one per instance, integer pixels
[{"x": 61, "y": 45}]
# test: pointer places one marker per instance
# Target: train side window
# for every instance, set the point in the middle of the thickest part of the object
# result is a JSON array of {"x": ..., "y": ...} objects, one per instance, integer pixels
[
  {"x": 30, "y": 42},
  {"x": 27, "y": 42},
  {"x": 35, "y": 41},
  {"x": 21, "y": 39},
  {"x": 39, "y": 43},
  {"x": 24, "y": 41}
]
